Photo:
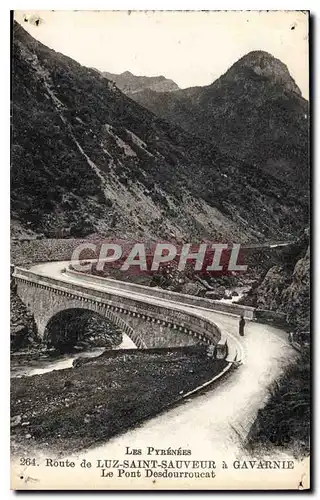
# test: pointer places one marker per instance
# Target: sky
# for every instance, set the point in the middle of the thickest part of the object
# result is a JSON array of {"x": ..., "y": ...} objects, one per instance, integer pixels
[{"x": 191, "y": 48}]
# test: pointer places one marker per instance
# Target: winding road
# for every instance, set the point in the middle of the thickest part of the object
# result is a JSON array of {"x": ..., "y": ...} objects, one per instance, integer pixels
[
  {"x": 213, "y": 424},
  {"x": 231, "y": 407}
]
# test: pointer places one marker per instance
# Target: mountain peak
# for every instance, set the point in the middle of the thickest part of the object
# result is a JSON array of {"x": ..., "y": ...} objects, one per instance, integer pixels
[
  {"x": 265, "y": 66},
  {"x": 131, "y": 84},
  {"x": 254, "y": 112}
]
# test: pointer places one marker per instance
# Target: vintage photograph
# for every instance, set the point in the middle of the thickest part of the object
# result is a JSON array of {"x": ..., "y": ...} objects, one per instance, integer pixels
[{"x": 160, "y": 250}]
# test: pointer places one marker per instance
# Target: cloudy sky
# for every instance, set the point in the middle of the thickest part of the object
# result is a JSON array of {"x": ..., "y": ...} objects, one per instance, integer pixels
[{"x": 192, "y": 48}]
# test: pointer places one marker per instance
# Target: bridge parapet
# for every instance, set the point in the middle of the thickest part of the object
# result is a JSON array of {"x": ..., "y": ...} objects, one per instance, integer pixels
[
  {"x": 191, "y": 300},
  {"x": 119, "y": 303}
]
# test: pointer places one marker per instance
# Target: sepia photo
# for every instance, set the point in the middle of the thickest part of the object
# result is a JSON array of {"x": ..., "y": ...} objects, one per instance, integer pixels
[{"x": 160, "y": 250}]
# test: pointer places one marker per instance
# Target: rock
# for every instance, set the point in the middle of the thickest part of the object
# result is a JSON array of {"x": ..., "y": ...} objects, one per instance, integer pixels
[
  {"x": 191, "y": 288},
  {"x": 15, "y": 421},
  {"x": 28, "y": 436},
  {"x": 216, "y": 294},
  {"x": 210, "y": 351},
  {"x": 68, "y": 384},
  {"x": 80, "y": 361}
]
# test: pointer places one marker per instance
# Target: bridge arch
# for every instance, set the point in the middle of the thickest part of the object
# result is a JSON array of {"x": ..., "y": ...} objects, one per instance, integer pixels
[
  {"x": 70, "y": 326},
  {"x": 103, "y": 311},
  {"x": 147, "y": 323}
]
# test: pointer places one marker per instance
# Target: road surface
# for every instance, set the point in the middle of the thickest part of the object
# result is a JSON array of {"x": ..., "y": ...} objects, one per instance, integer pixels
[{"x": 226, "y": 412}]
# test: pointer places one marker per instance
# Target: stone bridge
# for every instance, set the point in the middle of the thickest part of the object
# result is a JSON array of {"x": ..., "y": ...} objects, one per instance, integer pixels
[{"x": 148, "y": 321}]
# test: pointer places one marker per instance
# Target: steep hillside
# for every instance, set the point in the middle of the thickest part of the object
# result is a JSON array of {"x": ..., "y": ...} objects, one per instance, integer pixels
[
  {"x": 87, "y": 159},
  {"x": 254, "y": 111},
  {"x": 131, "y": 84}
]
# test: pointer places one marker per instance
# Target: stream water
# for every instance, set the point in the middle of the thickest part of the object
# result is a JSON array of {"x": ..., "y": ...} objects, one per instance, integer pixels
[
  {"x": 46, "y": 363},
  {"x": 241, "y": 291}
]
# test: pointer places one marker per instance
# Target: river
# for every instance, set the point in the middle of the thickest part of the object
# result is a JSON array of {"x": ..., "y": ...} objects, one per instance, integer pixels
[{"x": 46, "y": 363}]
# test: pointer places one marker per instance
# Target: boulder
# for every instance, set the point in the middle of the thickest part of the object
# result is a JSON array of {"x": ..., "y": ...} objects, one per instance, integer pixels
[
  {"x": 217, "y": 294},
  {"x": 15, "y": 421}
]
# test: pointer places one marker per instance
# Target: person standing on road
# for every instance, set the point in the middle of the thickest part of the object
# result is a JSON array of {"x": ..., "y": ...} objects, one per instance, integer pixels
[{"x": 241, "y": 326}]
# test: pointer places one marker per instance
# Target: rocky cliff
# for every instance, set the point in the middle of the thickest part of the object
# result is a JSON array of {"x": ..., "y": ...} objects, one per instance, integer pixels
[
  {"x": 23, "y": 332},
  {"x": 286, "y": 288}
]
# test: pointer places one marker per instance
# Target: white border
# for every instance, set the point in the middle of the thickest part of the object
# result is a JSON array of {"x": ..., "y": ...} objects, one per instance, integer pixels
[{"x": 313, "y": 6}]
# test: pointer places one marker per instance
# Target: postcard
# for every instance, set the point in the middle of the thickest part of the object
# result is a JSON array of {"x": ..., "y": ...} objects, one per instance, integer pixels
[{"x": 160, "y": 262}]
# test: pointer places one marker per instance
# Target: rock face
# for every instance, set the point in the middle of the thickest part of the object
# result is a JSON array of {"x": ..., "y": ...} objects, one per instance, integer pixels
[
  {"x": 132, "y": 84},
  {"x": 296, "y": 297},
  {"x": 254, "y": 111},
  {"x": 270, "y": 291},
  {"x": 287, "y": 289},
  {"x": 23, "y": 332},
  {"x": 87, "y": 159}
]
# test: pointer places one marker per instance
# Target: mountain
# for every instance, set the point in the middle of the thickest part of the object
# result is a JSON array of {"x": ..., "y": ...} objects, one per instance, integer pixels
[
  {"x": 254, "y": 112},
  {"x": 88, "y": 159},
  {"x": 131, "y": 84}
]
